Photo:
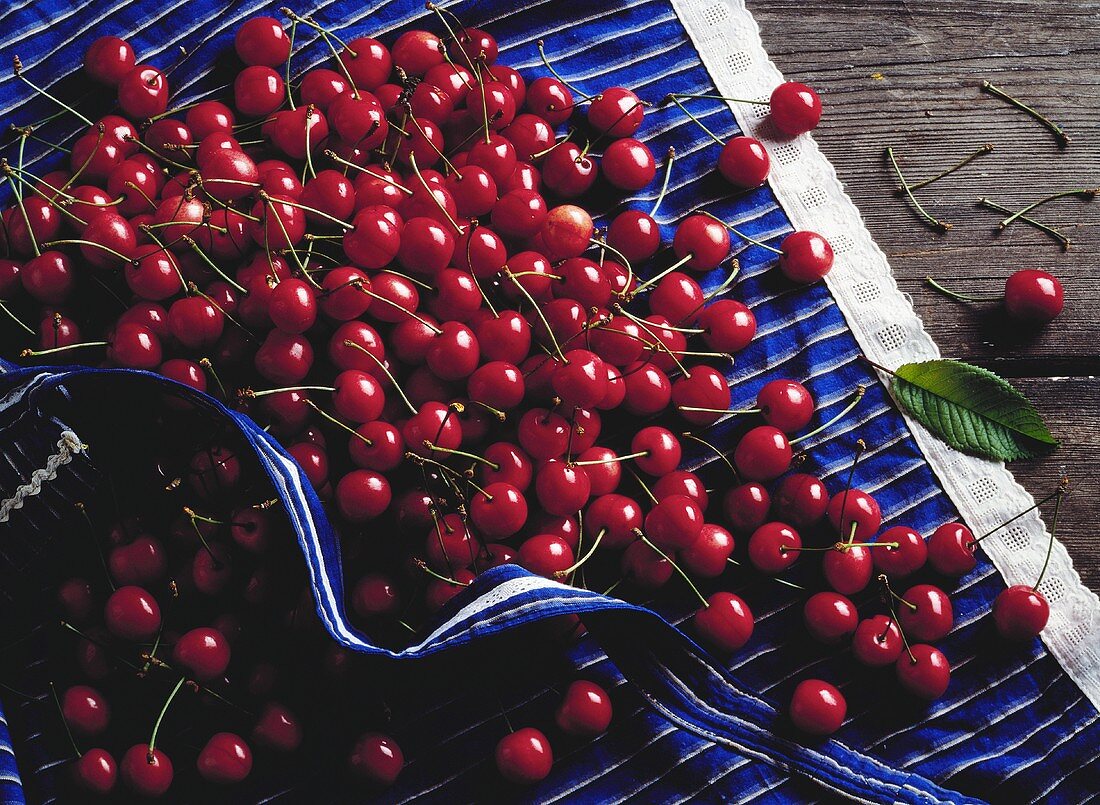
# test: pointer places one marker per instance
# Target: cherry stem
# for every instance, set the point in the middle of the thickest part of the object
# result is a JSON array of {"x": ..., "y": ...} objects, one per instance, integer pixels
[
  {"x": 1054, "y": 128},
  {"x": 731, "y": 411},
  {"x": 420, "y": 563},
  {"x": 64, "y": 721},
  {"x": 16, "y": 319},
  {"x": 985, "y": 149},
  {"x": 98, "y": 549},
  {"x": 696, "y": 120},
  {"x": 17, "y": 66},
  {"x": 443, "y": 13},
  {"x": 644, "y": 487},
  {"x": 336, "y": 158},
  {"x": 1062, "y": 240},
  {"x": 381, "y": 365},
  {"x": 717, "y": 452},
  {"x": 861, "y": 446},
  {"x": 889, "y": 599},
  {"x": 473, "y": 456},
  {"x": 609, "y": 460},
  {"x": 326, "y": 415},
  {"x": 836, "y": 546},
  {"x": 78, "y": 242},
  {"x": 432, "y": 196},
  {"x": 250, "y": 393},
  {"x": 1061, "y": 493},
  {"x": 860, "y": 391},
  {"x": 658, "y": 277},
  {"x": 735, "y": 269},
  {"x": 208, "y": 365},
  {"x": 550, "y": 67},
  {"x": 960, "y": 297},
  {"x": 561, "y": 574},
  {"x": 217, "y": 563},
  {"x": 924, "y": 215},
  {"x": 664, "y": 182},
  {"x": 885, "y": 582},
  {"x": 156, "y": 727},
  {"x": 680, "y": 570},
  {"x": 35, "y": 353},
  {"x": 742, "y": 235},
  {"x": 1086, "y": 193},
  {"x": 720, "y": 98},
  {"x": 114, "y": 654},
  {"x": 549, "y": 331},
  {"x": 1031, "y": 508}
]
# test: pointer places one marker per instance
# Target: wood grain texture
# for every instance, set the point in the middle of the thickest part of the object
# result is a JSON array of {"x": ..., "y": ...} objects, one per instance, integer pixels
[{"x": 907, "y": 75}]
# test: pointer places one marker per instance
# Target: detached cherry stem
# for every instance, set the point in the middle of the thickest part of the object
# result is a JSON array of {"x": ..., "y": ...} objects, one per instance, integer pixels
[
  {"x": 922, "y": 213},
  {"x": 985, "y": 149},
  {"x": 1085, "y": 193},
  {"x": 1062, "y": 240},
  {"x": 550, "y": 67},
  {"x": 1054, "y": 128}
]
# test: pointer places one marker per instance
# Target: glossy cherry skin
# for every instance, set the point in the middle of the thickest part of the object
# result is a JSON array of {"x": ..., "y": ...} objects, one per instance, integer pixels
[
  {"x": 681, "y": 482},
  {"x": 1033, "y": 296},
  {"x": 132, "y": 613},
  {"x": 801, "y": 500},
  {"x": 806, "y": 258},
  {"x": 377, "y": 757},
  {"x": 817, "y": 708},
  {"x": 746, "y": 507},
  {"x": 262, "y": 40},
  {"x": 674, "y": 523},
  {"x": 645, "y": 567},
  {"x": 85, "y": 710},
  {"x": 877, "y": 641},
  {"x": 932, "y": 618},
  {"x": 907, "y": 558},
  {"x": 363, "y": 495},
  {"x": 148, "y": 779},
  {"x": 860, "y": 509},
  {"x": 143, "y": 92},
  {"x": 584, "y": 711},
  {"x": 786, "y": 405},
  {"x": 500, "y": 511},
  {"x": 725, "y": 624},
  {"x": 774, "y": 547},
  {"x": 203, "y": 653},
  {"x": 628, "y": 164},
  {"x": 635, "y": 235},
  {"x": 551, "y": 99},
  {"x": 95, "y": 771},
  {"x": 546, "y": 554},
  {"x": 926, "y": 674},
  {"x": 661, "y": 447},
  {"x": 108, "y": 59},
  {"x": 762, "y": 454},
  {"x": 704, "y": 241},
  {"x": 728, "y": 325},
  {"x": 707, "y": 556},
  {"x": 848, "y": 570},
  {"x": 616, "y": 516},
  {"x": 744, "y": 162},
  {"x": 226, "y": 759},
  {"x": 795, "y": 108},
  {"x": 706, "y": 388},
  {"x": 951, "y": 550},
  {"x": 830, "y": 617},
  {"x": 1020, "y": 612},
  {"x": 524, "y": 757},
  {"x": 278, "y": 729}
]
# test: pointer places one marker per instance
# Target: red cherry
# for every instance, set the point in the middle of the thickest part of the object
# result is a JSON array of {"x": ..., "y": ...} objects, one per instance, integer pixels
[
  {"x": 278, "y": 729},
  {"x": 209, "y": 117},
  {"x": 661, "y": 447},
  {"x": 551, "y": 99},
  {"x": 674, "y": 523},
  {"x": 725, "y": 624},
  {"x": 746, "y": 507},
  {"x": 500, "y": 511},
  {"x": 258, "y": 91},
  {"x": 858, "y": 508},
  {"x": 376, "y": 757},
  {"x": 283, "y": 358},
  {"x": 705, "y": 388},
  {"x": 907, "y": 558},
  {"x": 262, "y": 40},
  {"x": 76, "y": 599},
  {"x": 144, "y": 776},
  {"x": 644, "y": 566},
  {"x": 774, "y": 547},
  {"x": 562, "y": 488},
  {"x": 848, "y": 570},
  {"x": 95, "y": 771},
  {"x": 762, "y": 454},
  {"x": 628, "y": 164},
  {"x": 582, "y": 380},
  {"x": 131, "y": 613},
  {"x": 795, "y": 108},
  {"x": 1033, "y": 296},
  {"x": 584, "y": 711},
  {"x": 616, "y": 111},
  {"x": 1020, "y": 612},
  {"x": 801, "y": 500},
  {"x": 196, "y": 322},
  {"x": 681, "y": 482},
  {"x": 932, "y": 617},
  {"x": 648, "y": 390},
  {"x": 635, "y": 235},
  {"x": 817, "y": 707},
  {"x": 524, "y": 757},
  {"x": 678, "y": 298},
  {"x": 546, "y": 555},
  {"x": 786, "y": 405},
  {"x": 143, "y": 561},
  {"x": 363, "y": 495},
  {"x": 85, "y": 710},
  {"x": 107, "y": 60},
  {"x": 371, "y": 65},
  {"x": 877, "y": 641},
  {"x": 203, "y": 652},
  {"x": 143, "y": 92},
  {"x": 707, "y": 556},
  {"x": 926, "y": 674},
  {"x": 806, "y": 258},
  {"x": 951, "y": 550},
  {"x": 566, "y": 232},
  {"x": 703, "y": 241},
  {"x": 830, "y": 617},
  {"x": 616, "y": 516},
  {"x": 543, "y": 434},
  {"x": 226, "y": 759},
  {"x": 728, "y": 325},
  {"x": 744, "y": 162}
]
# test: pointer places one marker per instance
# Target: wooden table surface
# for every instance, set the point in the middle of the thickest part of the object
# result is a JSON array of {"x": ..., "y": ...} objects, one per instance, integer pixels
[{"x": 907, "y": 74}]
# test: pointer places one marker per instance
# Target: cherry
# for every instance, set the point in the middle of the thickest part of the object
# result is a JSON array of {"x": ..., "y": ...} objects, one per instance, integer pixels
[
  {"x": 500, "y": 510},
  {"x": 278, "y": 729},
  {"x": 707, "y": 556},
  {"x": 543, "y": 434},
  {"x": 524, "y": 757},
  {"x": 376, "y": 757},
  {"x": 762, "y": 454},
  {"x": 371, "y": 64},
  {"x": 262, "y": 41},
  {"x": 146, "y": 773},
  {"x": 546, "y": 555},
  {"x": 76, "y": 599},
  {"x": 907, "y": 558},
  {"x": 744, "y": 162},
  {"x": 96, "y": 771},
  {"x": 49, "y": 278},
  {"x": 647, "y": 568},
  {"x": 681, "y": 482},
  {"x": 143, "y": 561},
  {"x": 566, "y": 232},
  {"x": 725, "y": 623},
  {"x": 257, "y": 91},
  {"x": 877, "y": 641},
  {"x": 551, "y": 99},
  {"x": 143, "y": 92},
  {"x": 582, "y": 380},
  {"x": 661, "y": 450},
  {"x": 363, "y": 495},
  {"x": 925, "y": 613},
  {"x": 951, "y": 550},
  {"x": 648, "y": 390},
  {"x": 436, "y": 423},
  {"x": 774, "y": 547},
  {"x": 225, "y": 759},
  {"x": 616, "y": 516},
  {"x": 1020, "y": 612},
  {"x": 209, "y": 117},
  {"x": 801, "y": 500},
  {"x": 567, "y": 171},
  {"x": 795, "y": 108},
  {"x": 746, "y": 507},
  {"x": 830, "y": 617},
  {"x": 283, "y": 357},
  {"x": 1033, "y": 296},
  {"x": 85, "y": 710},
  {"x": 108, "y": 59},
  {"x": 635, "y": 235},
  {"x": 628, "y": 164},
  {"x": 704, "y": 388},
  {"x": 848, "y": 569},
  {"x": 375, "y": 594},
  {"x": 616, "y": 111},
  {"x": 859, "y": 508},
  {"x": 454, "y": 353},
  {"x": 806, "y": 257},
  {"x": 924, "y": 671},
  {"x": 131, "y": 613},
  {"x": 817, "y": 707},
  {"x": 674, "y": 523},
  {"x": 562, "y": 489},
  {"x": 701, "y": 242},
  {"x": 202, "y": 652},
  {"x": 584, "y": 711},
  {"x": 677, "y": 297},
  {"x": 786, "y": 405}
]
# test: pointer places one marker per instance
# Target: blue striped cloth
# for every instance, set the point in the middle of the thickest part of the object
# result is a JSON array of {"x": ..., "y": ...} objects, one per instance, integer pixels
[{"x": 1012, "y": 726}]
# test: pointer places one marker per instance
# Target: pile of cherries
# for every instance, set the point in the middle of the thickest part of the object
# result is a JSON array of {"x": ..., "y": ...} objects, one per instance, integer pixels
[{"x": 381, "y": 261}]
